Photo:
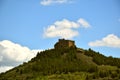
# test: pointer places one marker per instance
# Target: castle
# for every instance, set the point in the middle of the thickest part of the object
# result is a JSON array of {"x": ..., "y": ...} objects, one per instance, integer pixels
[{"x": 62, "y": 43}]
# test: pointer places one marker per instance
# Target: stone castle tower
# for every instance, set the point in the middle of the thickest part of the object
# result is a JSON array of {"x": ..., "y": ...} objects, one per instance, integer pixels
[{"x": 62, "y": 43}]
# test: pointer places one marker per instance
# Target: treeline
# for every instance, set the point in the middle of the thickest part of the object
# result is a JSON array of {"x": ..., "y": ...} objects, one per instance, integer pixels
[
  {"x": 101, "y": 59},
  {"x": 59, "y": 61}
]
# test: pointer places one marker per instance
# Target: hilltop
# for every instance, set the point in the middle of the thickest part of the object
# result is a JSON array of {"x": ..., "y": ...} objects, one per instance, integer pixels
[{"x": 66, "y": 62}]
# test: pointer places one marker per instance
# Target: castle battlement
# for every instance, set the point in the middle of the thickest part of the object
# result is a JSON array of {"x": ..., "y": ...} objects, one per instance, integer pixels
[{"x": 62, "y": 43}]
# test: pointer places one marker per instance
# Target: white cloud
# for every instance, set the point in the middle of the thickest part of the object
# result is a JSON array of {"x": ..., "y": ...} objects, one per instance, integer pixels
[
  {"x": 109, "y": 41},
  {"x": 12, "y": 54},
  {"x": 5, "y": 68},
  {"x": 65, "y": 28},
  {"x": 1, "y": 58},
  {"x": 49, "y": 2},
  {"x": 83, "y": 23}
]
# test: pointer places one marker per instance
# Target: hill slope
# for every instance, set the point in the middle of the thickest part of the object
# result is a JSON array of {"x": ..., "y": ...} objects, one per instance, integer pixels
[{"x": 67, "y": 63}]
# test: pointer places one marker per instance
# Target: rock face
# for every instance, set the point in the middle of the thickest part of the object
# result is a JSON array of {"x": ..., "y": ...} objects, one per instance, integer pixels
[{"x": 62, "y": 43}]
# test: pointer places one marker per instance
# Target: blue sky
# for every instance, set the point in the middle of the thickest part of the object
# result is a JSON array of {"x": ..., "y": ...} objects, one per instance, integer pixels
[{"x": 38, "y": 24}]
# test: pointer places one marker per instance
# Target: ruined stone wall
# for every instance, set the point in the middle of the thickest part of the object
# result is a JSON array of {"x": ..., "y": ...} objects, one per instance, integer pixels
[
  {"x": 64, "y": 44},
  {"x": 71, "y": 43}
]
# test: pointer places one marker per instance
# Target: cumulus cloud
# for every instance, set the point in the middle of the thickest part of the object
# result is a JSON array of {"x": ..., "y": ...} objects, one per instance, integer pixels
[
  {"x": 49, "y": 2},
  {"x": 83, "y": 23},
  {"x": 65, "y": 28},
  {"x": 12, "y": 54},
  {"x": 110, "y": 40},
  {"x": 5, "y": 68}
]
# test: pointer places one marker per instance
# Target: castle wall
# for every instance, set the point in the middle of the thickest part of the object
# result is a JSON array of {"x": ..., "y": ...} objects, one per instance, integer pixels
[
  {"x": 71, "y": 43},
  {"x": 64, "y": 44}
]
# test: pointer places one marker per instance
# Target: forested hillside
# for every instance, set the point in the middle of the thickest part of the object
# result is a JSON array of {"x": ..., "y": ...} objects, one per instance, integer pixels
[{"x": 66, "y": 64}]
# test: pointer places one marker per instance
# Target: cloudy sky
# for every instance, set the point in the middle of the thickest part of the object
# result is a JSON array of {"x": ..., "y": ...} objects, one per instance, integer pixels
[{"x": 28, "y": 26}]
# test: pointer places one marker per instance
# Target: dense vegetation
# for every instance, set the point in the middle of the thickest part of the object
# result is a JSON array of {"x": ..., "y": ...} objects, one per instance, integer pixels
[
  {"x": 101, "y": 59},
  {"x": 66, "y": 64}
]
